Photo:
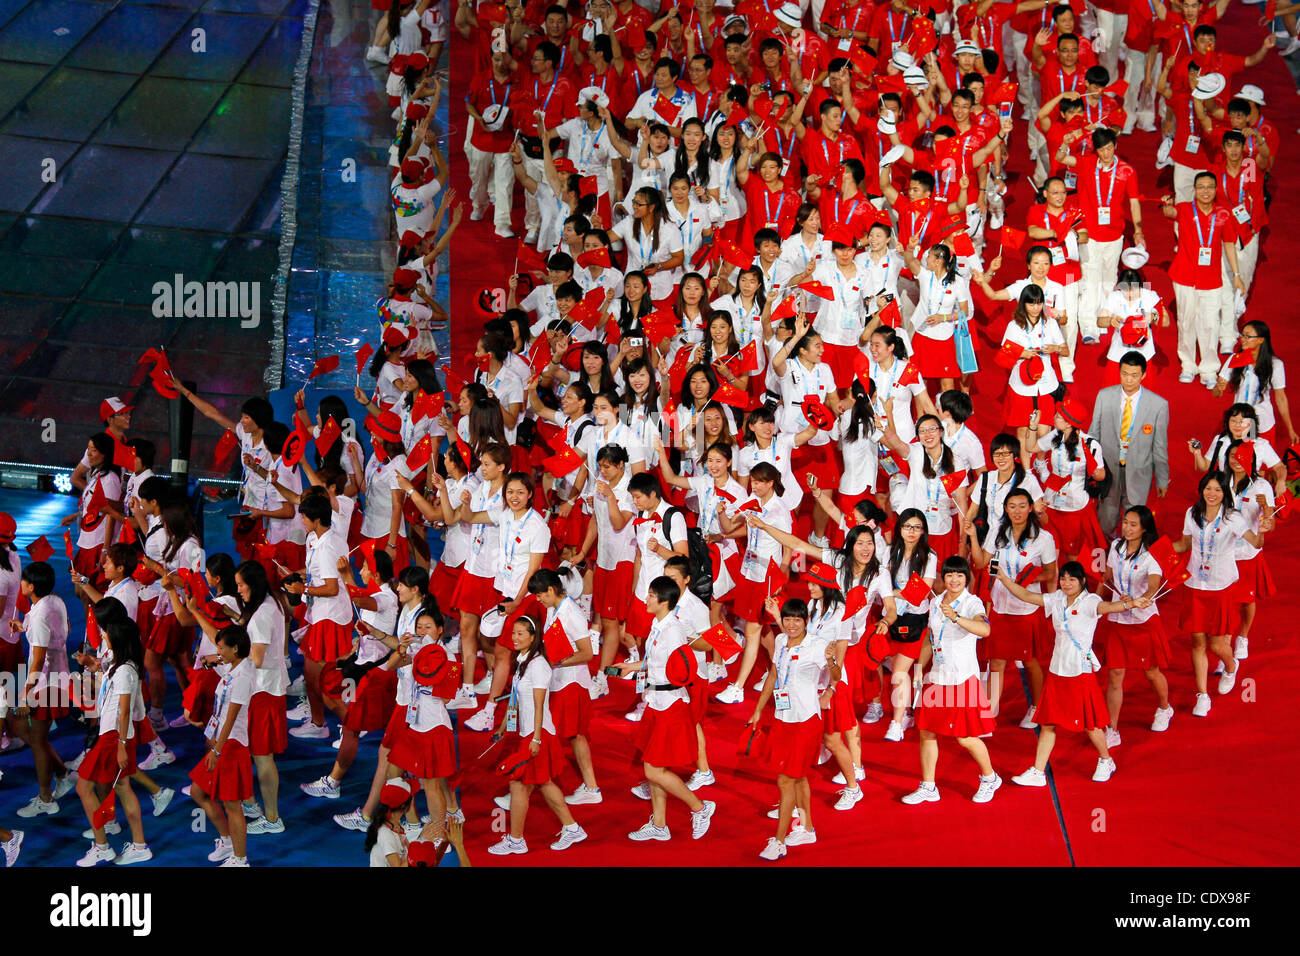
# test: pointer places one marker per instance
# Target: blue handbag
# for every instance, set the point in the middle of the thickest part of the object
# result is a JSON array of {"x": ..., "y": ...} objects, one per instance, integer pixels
[{"x": 965, "y": 347}]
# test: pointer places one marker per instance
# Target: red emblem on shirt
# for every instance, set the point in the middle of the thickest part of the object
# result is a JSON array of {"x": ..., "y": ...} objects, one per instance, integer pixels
[{"x": 1147, "y": 429}]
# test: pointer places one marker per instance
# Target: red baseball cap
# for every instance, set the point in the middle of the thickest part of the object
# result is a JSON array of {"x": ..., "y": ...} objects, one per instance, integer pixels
[
  {"x": 412, "y": 170},
  {"x": 395, "y": 336},
  {"x": 112, "y": 406},
  {"x": 8, "y": 527},
  {"x": 395, "y": 793}
]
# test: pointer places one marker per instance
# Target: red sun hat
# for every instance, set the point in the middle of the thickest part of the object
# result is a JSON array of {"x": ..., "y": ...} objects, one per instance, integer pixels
[
  {"x": 680, "y": 668},
  {"x": 1073, "y": 411},
  {"x": 823, "y": 574},
  {"x": 1031, "y": 370},
  {"x": 386, "y": 425},
  {"x": 432, "y": 668}
]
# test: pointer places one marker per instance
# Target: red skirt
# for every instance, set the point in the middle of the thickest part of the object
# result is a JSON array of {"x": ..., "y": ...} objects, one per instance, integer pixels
[
  {"x": 200, "y": 693},
  {"x": 428, "y": 755},
  {"x": 638, "y": 619},
  {"x": 100, "y": 765},
  {"x": 1078, "y": 535},
  {"x": 522, "y": 766},
  {"x": 232, "y": 780},
  {"x": 571, "y": 711},
  {"x": 841, "y": 359},
  {"x": 1206, "y": 612},
  {"x": 87, "y": 562},
  {"x": 817, "y": 460},
  {"x": 167, "y": 637},
  {"x": 396, "y": 724},
  {"x": 144, "y": 614},
  {"x": 373, "y": 705},
  {"x": 401, "y": 553},
  {"x": 474, "y": 594},
  {"x": 748, "y": 598},
  {"x": 1020, "y": 407},
  {"x": 570, "y": 531},
  {"x": 1072, "y": 703},
  {"x": 268, "y": 729},
  {"x": 11, "y": 655},
  {"x": 144, "y": 731},
  {"x": 936, "y": 358},
  {"x": 327, "y": 641},
  {"x": 839, "y": 716},
  {"x": 954, "y": 710},
  {"x": 611, "y": 591},
  {"x": 1019, "y": 637},
  {"x": 443, "y": 579},
  {"x": 1253, "y": 581},
  {"x": 1144, "y": 645},
  {"x": 666, "y": 738},
  {"x": 794, "y": 747},
  {"x": 947, "y": 544},
  {"x": 49, "y": 703}
]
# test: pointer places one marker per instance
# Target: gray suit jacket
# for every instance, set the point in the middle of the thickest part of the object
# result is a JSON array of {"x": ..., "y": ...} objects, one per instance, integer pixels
[{"x": 1148, "y": 452}]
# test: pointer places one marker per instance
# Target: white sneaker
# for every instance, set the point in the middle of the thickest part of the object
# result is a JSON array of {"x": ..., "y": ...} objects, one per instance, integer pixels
[
  {"x": 1105, "y": 769},
  {"x": 376, "y": 54},
  {"x": 700, "y": 778},
  {"x": 908, "y": 722},
  {"x": 569, "y": 836},
  {"x": 1290, "y": 47},
  {"x": 986, "y": 789},
  {"x": 233, "y": 860},
  {"x": 456, "y": 816},
  {"x": 1187, "y": 378},
  {"x": 297, "y": 688},
  {"x": 1161, "y": 722},
  {"x": 583, "y": 795},
  {"x": 600, "y": 686},
  {"x": 325, "y": 787},
  {"x": 134, "y": 853},
  {"x": 36, "y": 806},
  {"x": 925, "y": 793},
  {"x": 849, "y": 798},
  {"x": 158, "y": 721},
  {"x": 175, "y": 723},
  {"x": 157, "y": 758},
  {"x": 482, "y": 721},
  {"x": 1241, "y": 648},
  {"x": 774, "y": 850},
  {"x": 895, "y": 731},
  {"x": 641, "y": 791},
  {"x": 1162, "y": 153},
  {"x": 111, "y": 828},
  {"x": 649, "y": 831},
  {"x": 310, "y": 731},
  {"x": 161, "y": 800},
  {"x": 464, "y": 699},
  {"x": 731, "y": 694},
  {"x": 636, "y": 713},
  {"x": 700, "y": 819},
  {"x": 1112, "y": 737},
  {"x": 1229, "y": 680},
  {"x": 185, "y": 790},
  {"x": 64, "y": 785},
  {"x": 266, "y": 826},
  {"x": 1218, "y": 668},
  {"x": 477, "y": 215},
  {"x": 509, "y": 845},
  {"x": 72, "y": 765},
  {"x": 506, "y": 234},
  {"x": 484, "y": 684},
  {"x": 12, "y": 847},
  {"x": 825, "y": 756},
  {"x": 412, "y": 830},
  {"x": 1027, "y": 722},
  {"x": 1033, "y": 777},
  {"x": 798, "y": 836},
  {"x": 859, "y": 773},
  {"x": 352, "y": 821},
  {"x": 717, "y": 671},
  {"x": 222, "y": 850},
  {"x": 502, "y": 801},
  {"x": 633, "y": 657},
  {"x": 775, "y": 814},
  {"x": 1201, "y": 709},
  {"x": 530, "y": 238},
  {"x": 1209, "y": 381},
  {"x": 874, "y": 712},
  {"x": 338, "y": 741},
  {"x": 758, "y": 684},
  {"x": 301, "y": 712},
  {"x": 98, "y": 853}
]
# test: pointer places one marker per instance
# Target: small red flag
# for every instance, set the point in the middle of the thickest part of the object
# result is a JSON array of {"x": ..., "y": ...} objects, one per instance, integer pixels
[
  {"x": 161, "y": 377},
  {"x": 952, "y": 482},
  {"x": 558, "y": 645},
  {"x": 776, "y": 578},
  {"x": 891, "y": 315},
  {"x": 40, "y": 549},
  {"x": 911, "y": 375},
  {"x": 530, "y": 258},
  {"x": 666, "y": 111},
  {"x": 819, "y": 289},
  {"x": 563, "y": 462},
  {"x": 587, "y": 185},
  {"x": 720, "y": 638},
  {"x": 363, "y": 356},
  {"x": 67, "y": 545},
  {"x": 427, "y": 406},
  {"x": 123, "y": 455},
  {"x": 728, "y": 394},
  {"x": 367, "y": 549},
  {"x": 329, "y": 433},
  {"x": 1270, "y": 9},
  {"x": 1089, "y": 459},
  {"x": 1013, "y": 238},
  {"x": 324, "y": 366},
  {"x": 862, "y": 369},
  {"x": 890, "y": 84},
  {"x": 916, "y": 591},
  {"x": 295, "y": 445},
  {"x": 1118, "y": 88},
  {"x": 962, "y": 245},
  {"x": 1055, "y": 483},
  {"x": 613, "y": 334},
  {"x": 226, "y": 446},
  {"x": 1162, "y": 553},
  {"x": 730, "y": 252},
  {"x": 1005, "y": 92},
  {"x": 785, "y": 309},
  {"x": 1009, "y": 355},
  {"x": 1241, "y": 359},
  {"x": 356, "y": 591},
  {"x": 744, "y": 361},
  {"x": 596, "y": 257},
  {"x": 584, "y": 314},
  {"x": 417, "y": 459},
  {"x": 106, "y": 810},
  {"x": 97, "y": 502}
]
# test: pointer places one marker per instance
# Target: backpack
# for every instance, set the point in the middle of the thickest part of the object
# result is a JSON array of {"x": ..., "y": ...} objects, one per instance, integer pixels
[
  {"x": 702, "y": 569},
  {"x": 981, "y": 521}
]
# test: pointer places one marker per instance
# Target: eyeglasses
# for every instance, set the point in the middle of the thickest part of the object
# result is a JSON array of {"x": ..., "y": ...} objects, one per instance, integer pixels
[
  {"x": 1247, "y": 335},
  {"x": 912, "y": 526},
  {"x": 931, "y": 430},
  {"x": 639, "y": 203}
]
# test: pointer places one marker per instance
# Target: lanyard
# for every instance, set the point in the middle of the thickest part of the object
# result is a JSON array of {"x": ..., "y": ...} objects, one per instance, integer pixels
[
  {"x": 1207, "y": 546},
  {"x": 1126, "y": 583},
  {"x": 839, "y": 152},
  {"x": 1086, "y": 654},
  {"x": 1114, "y": 175},
  {"x": 784, "y": 662},
  {"x": 893, "y": 32},
  {"x": 644, "y": 245},
  {"x": 488, "y": 505},
  {"x": 510, "y": 539},
  {"x": 925, "y": 223},
  {"x": 767, "y": 206},
  {"x": 1200, "y": 236},
  {"x": 844, "y": 219},
  {"x": 584, "y": 150},
  {"x": 689, "y": 223},
  {"x": 1241, "y": 187},
  {"x": 1074, "y": 80},
  {"x": 551, "y": 92},
  {"x": 492, "y": 91}
]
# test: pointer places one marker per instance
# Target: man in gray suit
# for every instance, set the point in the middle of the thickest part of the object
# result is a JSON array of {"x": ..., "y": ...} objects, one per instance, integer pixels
[{"x": 1132, "y": 424}]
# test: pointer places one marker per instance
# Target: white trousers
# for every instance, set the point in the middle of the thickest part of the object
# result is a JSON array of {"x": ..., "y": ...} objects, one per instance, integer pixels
[
  {"x": 1100, "y": 264},
  {"x": 1199, "y": 313},
  {"x": 1141, "y": 113},
  {"x": 492, "y": 180}
]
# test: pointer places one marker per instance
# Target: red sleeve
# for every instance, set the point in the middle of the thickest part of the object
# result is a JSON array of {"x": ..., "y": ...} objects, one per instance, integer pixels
[{"x": 1131, "y": 183}]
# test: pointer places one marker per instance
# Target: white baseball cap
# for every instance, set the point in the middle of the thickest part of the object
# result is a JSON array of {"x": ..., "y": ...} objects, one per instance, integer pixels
[
  {"x": 915, "y": 76},
  {"x": 965, "y": 46},
  {"x": 789, "y": 14},
  {"x": 1252, "y": 94},
  {"x": 1209, "y": 86}
]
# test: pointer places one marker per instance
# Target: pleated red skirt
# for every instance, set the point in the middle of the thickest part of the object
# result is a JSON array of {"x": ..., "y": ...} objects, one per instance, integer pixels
[
  {"x": 571, "y": 711},
  {"x": 1019, "y": 637},
  {"x": 232, "y": 779},
  {"x": 666, "y": 738},
  {"x": 100, "y": 765},
  {"x": 268, "y": 728},
  {"x": 611, "y": 591},
  {"x": 327, "y": 641},
  {"x": 1206, "y": 612},
  {"x": 522, "y": 766},
  {"x": 1144, "y": 645},
  {"x": 793, "y": 748},
  {"x": 427, "y": 755},
  {"x": 372, "y": 708},
  {"x": 1073, "y": 703},
  {"x": 1253, "y": 581}
]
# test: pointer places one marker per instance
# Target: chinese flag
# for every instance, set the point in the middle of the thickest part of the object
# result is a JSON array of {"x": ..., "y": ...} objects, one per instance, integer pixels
[
  {"x": 40, "y": 549},
  {"x": 161, "y": 377},
  {"x": 1162, "y": 553},
  {"x": 923, "y": 38},
  {"x": 67, "y": 545},
  {"x": 677, "y": 371},
  {"x": 863, "y": 60},
  {"x": 952, "y": 482},
  {"x": 667, "y": 111},
  {"x": 819, "y": 289},
  {"x": 732, "y": 253},
  {"x": 1013, "y": 238},
  {"x": 107, "y": 808},
  {"x": 558, "y": 645},
  {"x": 854, "y": 601},
  {"x": 784, "y": 310},
  {"x": 324, "y": 366},
  {"x": 660, "y": 324},
  {"x": 97, "y": 501},
  {"x": 1241, "y": 359},
  {"x": 1056, "y": 482},
  {"x": 417, "y": 459},
  {"x": 916, "y": 591},
  {"x": 363, "y": 356},
  {"x": 862, "y": 369},
  {"x": 751, "y": 505},
  {"x": 776, "y": 578},
  {"x": 1270, "y": 9},
  {"x": 891, "y": 84},
  {"x": 911, "y": 375},
  {"x": 890, "y": 315},
  {"x": 123, "y": 455},
  {"x": 295, "y": 445},
  {"x": 1008, "y": 355},
  {"x": 1028, "y": 576},
  {"x": 613, "y": 334},
  {"x": 530, "y": 258},
  {"x": 720, "y": 638},
  {"x": 587, "y": 186},
  {"x": 1005, "y": 92},
  {"x": 428, "y": 406},
  {"x": 728, "y": 394},
  {"x": 356, "y": 591},
  {"x": 563, "y": 462},
  {"x": 456, "y": 383},
  {"x": 1118, "y": 88},
  {"x": 1178, "y": 571},
  {"x": 329, "y": 433},
  {"x": 367, "y": 549},
  {"x": 962, "y": 245},
  {"x": 226, "y": 446},
  {"x": 744, "y": 361},
  {"x": 1089, "y": 460},
  {"x": 596, "y": 257},
  {"x": 584, "y": 314},
  {"x": 950, "y": 148}
]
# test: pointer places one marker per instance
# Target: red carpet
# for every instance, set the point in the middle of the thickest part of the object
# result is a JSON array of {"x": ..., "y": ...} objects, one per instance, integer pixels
[{"x": 1203, "y": 793}]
